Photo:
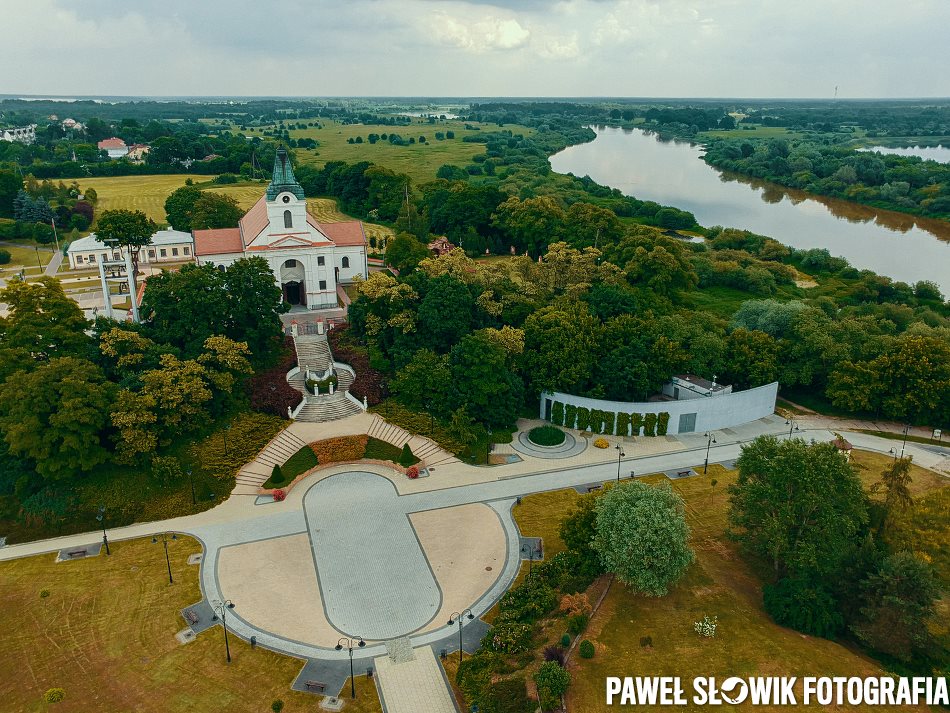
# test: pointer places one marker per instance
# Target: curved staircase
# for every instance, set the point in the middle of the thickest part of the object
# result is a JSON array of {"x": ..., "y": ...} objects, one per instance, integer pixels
[{"x": 313, "y": 351}]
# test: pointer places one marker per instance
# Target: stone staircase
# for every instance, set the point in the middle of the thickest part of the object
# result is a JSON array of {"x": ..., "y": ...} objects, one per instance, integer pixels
[
  {"x": 327, "y": 408},
  {"x": 429, "y": 452},
  {"x": 313, "y": 351},
  {"x": 277, "y": 452}
]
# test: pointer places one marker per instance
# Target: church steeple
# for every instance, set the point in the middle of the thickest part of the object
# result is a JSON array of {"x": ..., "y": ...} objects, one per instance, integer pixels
[{"x": 283, "y": 178}]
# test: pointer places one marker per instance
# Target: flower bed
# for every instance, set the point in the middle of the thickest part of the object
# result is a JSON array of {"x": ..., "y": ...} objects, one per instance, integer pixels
[{"x": 546, "y": 436}]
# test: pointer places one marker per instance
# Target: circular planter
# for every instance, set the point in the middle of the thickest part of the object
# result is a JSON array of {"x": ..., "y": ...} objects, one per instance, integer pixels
[{"x": 546, "y": 436}]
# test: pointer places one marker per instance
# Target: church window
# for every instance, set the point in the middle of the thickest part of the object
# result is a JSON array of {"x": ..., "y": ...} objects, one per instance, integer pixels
[
  {"x": 288, "y": 220},
  {"x": 286, "y": 199},
  {"x": 323, "y": 284},
  {"x": 290, "y": 263},
  {"x": 345, "y": 262},
  {"x": 320, "y": 260}
]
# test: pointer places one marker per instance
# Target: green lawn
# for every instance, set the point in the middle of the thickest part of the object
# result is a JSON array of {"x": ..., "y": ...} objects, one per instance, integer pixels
[
  {"x": 27, "y": 256},
  {"x": 300, "y": 462},
  {"x": 106, "y": 635}
]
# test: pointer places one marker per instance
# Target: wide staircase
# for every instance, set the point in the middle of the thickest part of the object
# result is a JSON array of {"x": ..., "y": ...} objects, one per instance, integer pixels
[
  {"x": 313, "y": 351},
  {"x": 429, "y": 452},
  {"x": 277, "y": 452}
]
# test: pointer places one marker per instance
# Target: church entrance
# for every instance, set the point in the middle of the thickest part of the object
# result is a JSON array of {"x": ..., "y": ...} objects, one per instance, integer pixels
[{"x": 294, "y": 293}]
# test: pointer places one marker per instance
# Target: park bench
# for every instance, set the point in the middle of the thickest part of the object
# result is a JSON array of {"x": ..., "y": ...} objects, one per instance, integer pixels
[
  {"x": 683, "y": 473},
  {"x": 76, "y": 553},
  {"x": 592, "y": 488},
  {"x": 316, "y": 686},
  {"x": 191, "y": 616}
]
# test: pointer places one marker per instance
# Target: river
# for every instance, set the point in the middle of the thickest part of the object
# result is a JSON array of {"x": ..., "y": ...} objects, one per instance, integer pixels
[
  {"x": 940, "y": 154},
  {"x": 898, "y": 245}
]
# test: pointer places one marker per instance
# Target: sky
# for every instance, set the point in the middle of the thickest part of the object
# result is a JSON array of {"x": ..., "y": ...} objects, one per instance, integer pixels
[{"x": 455, "y": 48}]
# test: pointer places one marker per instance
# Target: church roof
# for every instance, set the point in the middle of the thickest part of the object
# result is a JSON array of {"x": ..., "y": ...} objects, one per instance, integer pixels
[
  {"x": 254, "y": 221},
  {"x": 218, "y": 242},
  {"x": 343, "y": 234},
  {"x": 283, "y": 178}
]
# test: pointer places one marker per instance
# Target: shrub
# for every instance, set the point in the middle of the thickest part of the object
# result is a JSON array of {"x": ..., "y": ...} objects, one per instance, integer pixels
[
  {"x": 583, "y": 418},
  {"x": 554, "y": 653},
  {"x": 602, "y": 421},
  {"x": 646, "y": 642},
  {"x": 565, "y": 640},
  {"x": 662, "y": 423},
  {"x": 420, "y": 423},
  {"x": 552, "y": 677},
  {"x": 546, "y": 436},
  {"x": 601, "y": 443},
  {"x": 557, "y": 411},
  {"x": 508, "y": 637},
  {"x": 623, "y": 424},
  {"x": 54, "y": 695},
  {"x": 248, "y": 434},
  {"x": 576, "y": 604},
  {"x": 369, "y": 383},
  {"x": 706, "y": 627},
  {"x": 636, "y": 422},
  {"x": 269, "y": 392},
  {"x": 577, "y": 623},
  {"x": 586, "y": 649},
  {"x": 276, "y": 475},
  {"x": 649, "y": 424},
  {"x": 803, "y": 605},
  {"x": 508, "y": 696},
  {"x": 474, "y": 674},
  {"x": 406, "y": 458},
  {"x": 412, "y": 472},
  {"x": 570, "y": 416},
  {"x": 339, "y": 449},
  {"x": 166, "y": 469},
  {"x": 277, "y": 706},
  {"x": 4, "y": 257},
  {"x": 322, "y": 384},
  {"x": 279, "y": 496},
  {"x": 44, "y": 593},
  {"x": 529, "y": 601}
]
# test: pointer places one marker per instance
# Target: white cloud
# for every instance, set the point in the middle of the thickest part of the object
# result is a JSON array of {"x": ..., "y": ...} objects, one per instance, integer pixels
[{"x": 490, "y": 33}]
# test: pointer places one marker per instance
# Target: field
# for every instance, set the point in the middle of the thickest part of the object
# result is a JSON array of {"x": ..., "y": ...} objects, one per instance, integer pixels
[
  {"x": 26, "y": 256},
  {"x": 419, "y": 161},
  {"x": 718, "y": 584},
  {"x": 144, "y": 193},
  {"x": 106, "y": 635}
]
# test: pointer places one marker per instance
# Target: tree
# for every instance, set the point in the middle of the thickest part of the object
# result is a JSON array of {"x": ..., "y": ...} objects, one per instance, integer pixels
[
  {"x": 10, "y": 185},
  {"x": 588, "y": 225},
  {"x": 186, "y": 307},
  {"x": 552, "y": 679},
  {"x": 642, "y": 536},
  {"x": 530, "y": 225},
  {"x": 751, "y": 359},
  {"x": 445, "y": 314},
  {"x": 481, "y": 381},
  {"x": 214, "y": 210},
  {"x": 425, "y": 382},
  {"x": 130, "y": 229},
  {"x": 560, "y": 348},
  {"x": 405, "y": 252},
  {"x": 180, "y": 207},
  {"x": 897, "y": 604},
  {"x": 795, "y": 505},
  {"x": 804, "y": 605},
  {"x": 57, "y": 415},
  {"x": 254, "y": 305},
  {"x": 895, "y": 482}
]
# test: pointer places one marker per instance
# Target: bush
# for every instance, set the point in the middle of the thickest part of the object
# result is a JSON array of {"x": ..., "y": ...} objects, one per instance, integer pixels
[
  {"x": 276, "y": 476},
  {"x": 565, "y": 640},
  {"x": 406, "y": 458},
  {"x": 662, "y": 423},
  {"x": 279, "y": 496},
  {"x": 369, "y": 383},
  {"x": 4, "y": 257},
  {"x": 546, "y": 436},
  {"x": 508, "y": 696},
  {"x": 553, "y": 678},
  {"x": 646, "y": 642},
  {"x": 570, "y": 416},
  {"x": 601, "y": 443},
  {"x": 803, "y": 605},
  {"x": 248, "y": 434},
  {"x": 586, "y": 649},
  {"x": 636, "y": 422},
  {"x": 557, "y": 411},
  {"x": 623, "y": 424},
  {"x": 342, "y": 448},
  {"x": 508, "y": 637},
  {"x": 54, "y": 695},
  {"x": 166, "y": 469},
  {"x": 649, "y": 424},
  {"x": 554, "y": 653},
  {"x": 269, "y": 391},
  {"x": 412, "y": 472},
  {"x": 583, "y": 418},
  {"x": 529, "y": 601},
  {"x": 474, "y": 674},
  {"x": 278, "y": 705},
  {"x": 577, "y": 623}
]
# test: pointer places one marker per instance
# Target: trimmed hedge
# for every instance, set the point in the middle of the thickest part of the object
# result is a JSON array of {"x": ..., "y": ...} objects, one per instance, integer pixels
[
  {"x": 636, "y": 423},
  {"x": 583, "y": 418},
  {"x": 546, "y": 436},
  {"x": 623, "y": 424},
  {"x": 662, "y": 423},
  {"x": 570, "y": 415},
  {"x": 608, "y": 422},
  {"x": 649, "y": 424},
  {"x": 557, "y": 413},
  {"x": 342, "y": 448}
]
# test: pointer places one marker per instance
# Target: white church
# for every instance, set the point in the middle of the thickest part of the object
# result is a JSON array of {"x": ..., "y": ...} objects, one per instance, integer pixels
[{"x": 309, "y": 259}]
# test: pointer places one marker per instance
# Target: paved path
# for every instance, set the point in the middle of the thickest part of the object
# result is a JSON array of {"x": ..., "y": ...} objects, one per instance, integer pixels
[
  {"x": 53, "y": 266},
  {"x": 416, "y": 686}
]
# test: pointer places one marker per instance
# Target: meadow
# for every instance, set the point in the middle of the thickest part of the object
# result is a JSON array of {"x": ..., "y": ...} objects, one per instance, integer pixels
[{"x": 144, "y": 193}]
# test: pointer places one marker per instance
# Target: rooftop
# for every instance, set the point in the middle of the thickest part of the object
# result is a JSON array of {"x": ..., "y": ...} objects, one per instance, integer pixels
[
  {"x": 700, "y": 382},
  {"x": 220, "y": 241},
  {"x": 91, "y": 243},
  {"x": 112, "y": 143}
]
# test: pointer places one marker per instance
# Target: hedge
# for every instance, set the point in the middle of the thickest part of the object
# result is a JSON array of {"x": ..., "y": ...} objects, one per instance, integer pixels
[
  {"x": 636, "y": 421},
  {"x": 570, "y": 415},
  {"x": 342, "y": 448},
  {"x": 662, "y": 423},
  {"x": 583, "y": 418},
  {"x": 557, "y": 413},
  {"x": 623, "y": 424},
  {"x": 608, "y": 422},
  {"x": 649, "y": 424}
]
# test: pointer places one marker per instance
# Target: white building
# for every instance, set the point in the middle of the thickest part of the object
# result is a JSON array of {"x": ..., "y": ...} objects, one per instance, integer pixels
[
  {"x": 690, "y": 386},
  {"x": 22, "y": 134},
  {"x": 113, "y": 146},
  {"x": 166, "y": 246},
  {"x": 309, "y": 259}
]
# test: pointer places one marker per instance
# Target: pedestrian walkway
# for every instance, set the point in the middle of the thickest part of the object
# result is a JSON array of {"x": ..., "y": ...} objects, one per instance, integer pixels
[{"x": 416, "y": 686}]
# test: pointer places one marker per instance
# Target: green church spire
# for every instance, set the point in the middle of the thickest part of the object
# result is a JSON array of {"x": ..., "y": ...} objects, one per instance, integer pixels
[{"x": 283, "y": 178}]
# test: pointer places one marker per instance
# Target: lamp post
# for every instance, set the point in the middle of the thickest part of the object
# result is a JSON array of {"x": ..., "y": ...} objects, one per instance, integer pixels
[
  {"x": 710, "y": 439},
  {"x": 225, "y": 434},
  {"x": 349, "y": 644},
  {"x": 906, "y": 429},
  {"x": 167, "y": 561},
  {"x": 101, "y": 519},
  {"x": 893, "y": 452},
  {"x": 529, "y": 550},
  {"x": 221, "y": 608},
  {"x": 191, "y": 479},
  {"x": 458, "y": 617},
  {"x": 620, "y": 454},
  {"x": 38, "y": 261},
  {"x": 792, "y": 426}
]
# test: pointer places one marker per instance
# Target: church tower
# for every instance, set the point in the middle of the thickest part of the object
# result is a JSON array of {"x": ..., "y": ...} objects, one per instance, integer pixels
[{"x": 286, "y": 203}]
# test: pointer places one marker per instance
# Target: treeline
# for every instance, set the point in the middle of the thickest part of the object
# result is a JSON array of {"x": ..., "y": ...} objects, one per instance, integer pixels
[{"x": 901, "y": 183}]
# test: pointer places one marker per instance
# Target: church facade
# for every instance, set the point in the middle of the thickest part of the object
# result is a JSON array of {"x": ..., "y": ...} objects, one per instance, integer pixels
[{"x": 308, "y": 259}]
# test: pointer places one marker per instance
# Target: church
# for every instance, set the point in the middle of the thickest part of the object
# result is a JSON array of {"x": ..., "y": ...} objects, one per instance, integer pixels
[{"x": 309, "y": 259}]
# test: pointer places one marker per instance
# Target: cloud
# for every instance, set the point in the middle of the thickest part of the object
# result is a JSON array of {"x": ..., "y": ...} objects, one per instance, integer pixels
[{"x": 490, "y": 33}]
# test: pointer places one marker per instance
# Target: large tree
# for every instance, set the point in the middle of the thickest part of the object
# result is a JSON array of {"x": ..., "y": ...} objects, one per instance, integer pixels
[
  {"x": 445, "y": 314},
  {"x": 180, "y": 207},
  {"x": 642, "y": 536},
  {"x": 214, "y": 210},
  {"x": 483, "y": 383},
  {"x": 561, "y": 348},
  {"x": 10, "y": 185},
  {"x": 532, "y": 224},
  {"x": 130, "y": 229},
  {"x": 57, "y": 415},
  {"x": 797, "y": 506},
  {"x": 405, "y": 252},
  {"x": 254, "y": 306}
]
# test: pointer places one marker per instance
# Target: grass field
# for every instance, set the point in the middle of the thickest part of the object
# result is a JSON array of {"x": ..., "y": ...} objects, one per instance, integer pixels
[
  {"x": 419, "y": 161},
  {"x": 144, "y": 193},
  {"x": 106, "y": 634},
  {"x": 26, "y": 256},
  {"x": 718, "y": 584}
]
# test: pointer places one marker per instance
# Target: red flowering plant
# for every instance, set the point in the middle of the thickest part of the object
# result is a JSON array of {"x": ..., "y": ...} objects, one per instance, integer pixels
[
  {"x": 279, "y": 495},
  {"x": 412, "y": 472}
]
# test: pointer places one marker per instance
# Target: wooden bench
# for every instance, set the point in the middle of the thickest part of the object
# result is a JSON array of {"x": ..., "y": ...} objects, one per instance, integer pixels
[
  {"x": 684, "y": 473},
  {"x": 191, "y": 616},
  {"x": 316, "y": 686},
  {"x": 77, "y": 553},
  {"x": 592, "y": 488}
]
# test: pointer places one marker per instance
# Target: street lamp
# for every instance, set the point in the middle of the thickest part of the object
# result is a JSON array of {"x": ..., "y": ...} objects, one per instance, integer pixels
[
  {"x": 620, "y": 454},
  {"x": 191, "y": 479},
  {"x": 221, "y": 608},
  {"x": 528, "y": 550},
  {"x": 167, "y": 561},
  {"x": 349, "y": 644},
  {"x": 710, "y": 439},
  {"x": 906, "y": 429},
  {"x": 458, "y": 617},
  {"x": 792, "y": 426},
  {"x": 100, "y": 518},
  {"x": 893, "y": 452},
  {"x": 225, "y": 434}
]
